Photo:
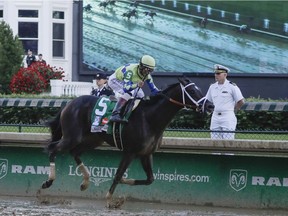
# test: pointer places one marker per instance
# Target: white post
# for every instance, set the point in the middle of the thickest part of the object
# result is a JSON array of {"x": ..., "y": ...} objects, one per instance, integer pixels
[
  {"x": 199, "y": 8},
  {"x": 237, "y": 16},
  {"x": 209, "y": 9},
  {"x": 285, "y": 28},
  {"x": 222, "y": 14},
  {"x": 266, "y": 23},
  {"x": 56, "y": 87},
  {"x": 186, "y": 6}
]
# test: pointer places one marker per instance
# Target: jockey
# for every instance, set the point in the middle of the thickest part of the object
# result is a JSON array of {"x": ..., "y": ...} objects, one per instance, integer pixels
[
  {"x": 128, "y": 80},
  {"x": 242, "y": 28}
]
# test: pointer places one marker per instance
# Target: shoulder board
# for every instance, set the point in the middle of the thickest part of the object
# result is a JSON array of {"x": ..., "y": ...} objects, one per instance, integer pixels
[{"x": 233, "y": 83}]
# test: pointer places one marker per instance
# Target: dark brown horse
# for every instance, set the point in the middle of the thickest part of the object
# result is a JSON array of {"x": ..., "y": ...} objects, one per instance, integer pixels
[
  {"x": 87, "y": 8},
  {"x": 141, "y": 136},
  {"x": 134, "y": 4},
  {"x": 107, "y": 3},
  {"x": 130, "y": 13},
  {"x": 203, "y": 22},
  {"x": 150, "y": 13}
]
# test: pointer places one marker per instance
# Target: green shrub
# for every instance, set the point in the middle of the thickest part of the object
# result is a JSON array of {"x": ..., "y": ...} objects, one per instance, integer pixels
[{"x": 11, "y": 51}]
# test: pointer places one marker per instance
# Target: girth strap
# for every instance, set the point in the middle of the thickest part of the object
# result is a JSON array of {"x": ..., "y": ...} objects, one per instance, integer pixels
[{"x": 116, "y": 132}]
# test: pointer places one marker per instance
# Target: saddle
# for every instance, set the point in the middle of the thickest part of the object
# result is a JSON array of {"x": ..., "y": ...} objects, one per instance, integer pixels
[{"x": 102, "y": 112}]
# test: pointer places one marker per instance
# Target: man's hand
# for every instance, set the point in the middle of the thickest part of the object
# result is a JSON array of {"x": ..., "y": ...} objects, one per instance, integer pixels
[{"x": 140, "y": 84}]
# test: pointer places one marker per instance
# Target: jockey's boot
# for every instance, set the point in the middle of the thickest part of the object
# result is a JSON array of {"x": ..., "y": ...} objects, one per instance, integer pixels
[{"x": 116, "y": 112}]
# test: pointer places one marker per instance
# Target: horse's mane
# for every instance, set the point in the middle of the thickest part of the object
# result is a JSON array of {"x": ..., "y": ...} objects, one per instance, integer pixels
[{"x": 155, "y": 98}]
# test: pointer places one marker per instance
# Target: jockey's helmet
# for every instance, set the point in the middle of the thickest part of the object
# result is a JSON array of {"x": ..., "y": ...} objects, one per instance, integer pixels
[{"x": 147, "y": 65}]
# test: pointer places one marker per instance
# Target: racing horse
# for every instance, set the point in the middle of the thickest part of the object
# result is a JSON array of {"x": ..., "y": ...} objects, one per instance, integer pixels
[
  {"x": 141, "y": 136},
  {"x": 107, "y": 3},
  {"x": 243, "y": 29},
  {"x": 130, "y": 13},
  {"x": 134, "y": 4},
  {"x": 203, "y": 22},
  {"x": 87, "y": 8},
  {"x": 150, "y": 14}
]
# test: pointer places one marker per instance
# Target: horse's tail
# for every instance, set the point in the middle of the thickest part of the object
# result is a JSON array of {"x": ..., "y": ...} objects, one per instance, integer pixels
[
  {"x": 55, "y": 127},
  {"x": 51, "y": 146},
  {"x": 56, "y": 132}
]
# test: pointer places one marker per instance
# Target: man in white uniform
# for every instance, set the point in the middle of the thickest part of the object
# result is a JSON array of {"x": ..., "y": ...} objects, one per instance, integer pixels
[{"x": 227, "y": 99}]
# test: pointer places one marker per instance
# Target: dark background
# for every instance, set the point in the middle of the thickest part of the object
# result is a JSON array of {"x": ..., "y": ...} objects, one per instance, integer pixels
[{"x": 263, "y": 86}]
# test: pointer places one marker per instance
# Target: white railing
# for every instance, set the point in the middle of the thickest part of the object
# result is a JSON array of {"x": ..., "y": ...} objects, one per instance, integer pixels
[{"x": 63, "y": 88}]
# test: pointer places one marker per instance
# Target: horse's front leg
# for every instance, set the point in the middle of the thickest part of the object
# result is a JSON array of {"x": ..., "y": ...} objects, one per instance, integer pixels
[
  {"x": 52, "y": 175},
  {"x": 85, "y": 182},
  {"x": 125, "y": 162},
  {"x": 146, "y": 162}
]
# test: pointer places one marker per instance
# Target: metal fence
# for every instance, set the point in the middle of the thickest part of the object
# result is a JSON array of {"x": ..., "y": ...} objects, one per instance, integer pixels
[
  {"x": 170, "y": 132},
  {"x": 239, "y": 134}
]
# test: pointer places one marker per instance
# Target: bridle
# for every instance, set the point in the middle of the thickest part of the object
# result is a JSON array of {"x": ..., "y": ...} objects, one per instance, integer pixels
[{"x": 200, "y": 104}]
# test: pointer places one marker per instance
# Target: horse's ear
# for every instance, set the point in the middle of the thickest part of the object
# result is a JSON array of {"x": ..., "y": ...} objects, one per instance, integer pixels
[{"x": 184, "y": 80}]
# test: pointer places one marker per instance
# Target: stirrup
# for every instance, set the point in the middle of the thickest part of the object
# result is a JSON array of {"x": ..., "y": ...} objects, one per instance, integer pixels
[{"x": 118, "y": 119}]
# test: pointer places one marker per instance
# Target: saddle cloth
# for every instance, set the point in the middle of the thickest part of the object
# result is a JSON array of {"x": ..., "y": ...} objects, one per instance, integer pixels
[{"x": 102, "y": 112}]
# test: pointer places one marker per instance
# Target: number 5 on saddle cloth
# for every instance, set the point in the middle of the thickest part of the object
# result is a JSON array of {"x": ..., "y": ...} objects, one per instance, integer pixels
[{"x": 102, "y": 112}]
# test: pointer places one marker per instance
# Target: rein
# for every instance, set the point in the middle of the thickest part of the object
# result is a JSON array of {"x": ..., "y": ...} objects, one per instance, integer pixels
[
  {"x": 179, "y": 103},
  {"x": 183, "y": 104}
]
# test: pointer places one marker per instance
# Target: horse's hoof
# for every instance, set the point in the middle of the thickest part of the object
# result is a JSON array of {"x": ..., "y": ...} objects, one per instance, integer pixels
[
  {"x": 47, "y": 184},
  {"x": 115, "y": 203},
  {"x": 83, "y": 187}
]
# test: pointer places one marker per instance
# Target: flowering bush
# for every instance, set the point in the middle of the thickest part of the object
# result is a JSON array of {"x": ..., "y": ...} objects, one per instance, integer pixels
[
  {"x": 28, "y": 81},
  {"x": 34, "y": 79},
  {"x": 47, "y": 72}
]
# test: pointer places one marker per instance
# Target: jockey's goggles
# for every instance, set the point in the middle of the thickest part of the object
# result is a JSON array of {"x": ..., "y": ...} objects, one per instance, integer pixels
[{"x": 148, "y": 69}]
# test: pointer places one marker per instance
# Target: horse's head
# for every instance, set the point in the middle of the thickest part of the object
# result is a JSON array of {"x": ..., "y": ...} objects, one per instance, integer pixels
[{"x": 192, "y": 96}]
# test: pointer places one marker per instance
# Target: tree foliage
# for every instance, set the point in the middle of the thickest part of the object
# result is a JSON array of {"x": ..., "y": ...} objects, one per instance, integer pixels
[{"x": 11, "y": 51}]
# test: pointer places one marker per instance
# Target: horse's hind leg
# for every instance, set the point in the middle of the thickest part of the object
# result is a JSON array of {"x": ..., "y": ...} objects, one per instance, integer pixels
[
  {"x": 85, "y": 183},
  {"x": 52, "y": 175},
  {"x": 88, "y": 142},
  {"x": 53, "y": 148}
]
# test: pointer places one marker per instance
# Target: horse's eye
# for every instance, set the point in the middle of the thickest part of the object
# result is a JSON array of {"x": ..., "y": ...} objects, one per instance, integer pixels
[{"x": 192, "y": 91}]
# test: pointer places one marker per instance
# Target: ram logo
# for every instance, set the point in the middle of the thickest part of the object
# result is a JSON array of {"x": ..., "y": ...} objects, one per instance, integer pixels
[
  {"x": 238, "y": 179},
  {"x": 3, "y": 167}
]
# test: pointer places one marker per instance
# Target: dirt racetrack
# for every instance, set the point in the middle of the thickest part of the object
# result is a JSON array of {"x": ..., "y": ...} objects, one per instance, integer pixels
[{"x": 73, "y": 207}]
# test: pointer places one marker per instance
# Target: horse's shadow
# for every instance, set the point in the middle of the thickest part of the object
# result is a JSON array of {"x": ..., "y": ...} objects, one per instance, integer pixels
[
  {"x": 130, "y": 24},
  {"x": 203, "y": 34},
  {"x": 242, "y": 42}
]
